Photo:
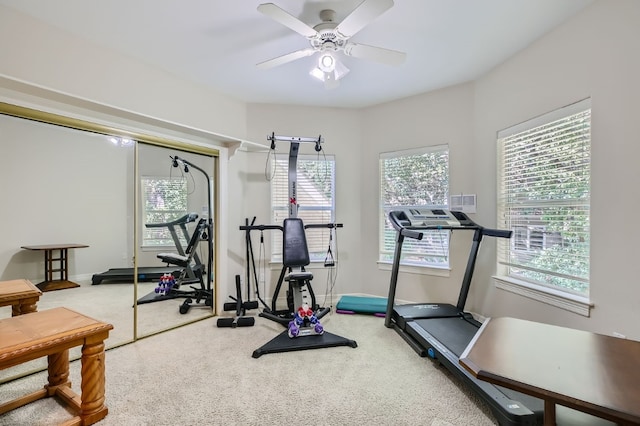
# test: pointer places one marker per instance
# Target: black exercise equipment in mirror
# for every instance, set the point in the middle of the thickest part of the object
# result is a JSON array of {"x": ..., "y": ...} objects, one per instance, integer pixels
[
  {"x": 190, "y": 269},
  {"x": 151, "y": 273}
]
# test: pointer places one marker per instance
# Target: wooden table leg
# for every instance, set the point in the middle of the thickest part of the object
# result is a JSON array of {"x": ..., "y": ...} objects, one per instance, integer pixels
[
  {"x": 93, "y": 383},
  {"x": 16, "y": 309},
  {"x": 58, "y": 367},
  {"x": 62, "y": 282},
  {"x": 64, "y": 264},
  {"x": 549, "y": 413},
  {"x": 25, "y": 306},
  {"x": 48, "y": 265}
]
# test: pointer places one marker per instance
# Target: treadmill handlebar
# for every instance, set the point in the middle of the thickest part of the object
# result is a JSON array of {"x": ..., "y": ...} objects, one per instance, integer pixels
[
  {"x": 189, "y": 217},
  {"x": 499, "y": 233},
  {"x": 416, "y": 235},
  {"x": 400, "y": 224}
]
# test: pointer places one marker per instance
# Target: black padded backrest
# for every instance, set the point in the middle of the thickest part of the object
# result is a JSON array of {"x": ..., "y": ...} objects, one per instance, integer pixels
[
  {"x": 294, "y": 243},
  {"x": 195, "y": 237}
]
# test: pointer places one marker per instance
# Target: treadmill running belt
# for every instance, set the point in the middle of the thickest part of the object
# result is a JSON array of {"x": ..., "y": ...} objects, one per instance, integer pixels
[{"x": 454, "y": 333}]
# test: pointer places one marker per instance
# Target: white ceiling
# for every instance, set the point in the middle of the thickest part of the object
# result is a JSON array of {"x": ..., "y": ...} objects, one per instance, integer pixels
[{"x": 219, "y": 42}]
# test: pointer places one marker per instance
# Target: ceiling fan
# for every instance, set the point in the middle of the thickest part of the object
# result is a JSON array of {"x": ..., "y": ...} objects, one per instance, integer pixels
[{"x": 330, "y": 38}]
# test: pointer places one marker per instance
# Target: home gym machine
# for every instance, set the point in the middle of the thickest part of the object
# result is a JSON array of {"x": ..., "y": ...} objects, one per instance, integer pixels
[
  {"x": 442, "y": 331},
  {"x": 303, "y": 314},
  {"x": 239, "y": 305},
  {"x": 169, "y": 286}
]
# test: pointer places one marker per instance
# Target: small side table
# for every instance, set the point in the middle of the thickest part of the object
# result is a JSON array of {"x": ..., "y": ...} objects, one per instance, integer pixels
[
  {"x": 22, "y": 295},
  {"x": 62, "y": 282}
]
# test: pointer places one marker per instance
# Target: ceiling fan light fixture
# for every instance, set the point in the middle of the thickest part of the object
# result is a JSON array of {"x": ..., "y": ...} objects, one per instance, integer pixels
[
  {"x": 329, "y": 68},
  {"x": 317, "y": 73},
  {"x": 327, "y": 63},
  {"x": 338, "y": 72}
]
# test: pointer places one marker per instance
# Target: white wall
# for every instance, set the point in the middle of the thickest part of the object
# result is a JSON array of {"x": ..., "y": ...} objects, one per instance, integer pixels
[
  {"x": 49, "y": 199},
  {"x": 593, "y": 55}
]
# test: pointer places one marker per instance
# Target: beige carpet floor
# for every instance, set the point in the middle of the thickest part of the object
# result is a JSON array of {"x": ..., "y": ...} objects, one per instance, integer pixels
[{"x": 204, "y": 375}]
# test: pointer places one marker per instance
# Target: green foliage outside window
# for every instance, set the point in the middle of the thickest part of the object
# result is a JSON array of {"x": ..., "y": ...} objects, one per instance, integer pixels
[
  {"x": 417, "y": 178},
  {"x": 164, "y": 200},
  {"x": 545, "y": 185}
]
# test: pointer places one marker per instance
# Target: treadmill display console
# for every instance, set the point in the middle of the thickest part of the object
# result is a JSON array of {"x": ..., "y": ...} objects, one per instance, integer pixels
[{"x": 421, "y": 217}]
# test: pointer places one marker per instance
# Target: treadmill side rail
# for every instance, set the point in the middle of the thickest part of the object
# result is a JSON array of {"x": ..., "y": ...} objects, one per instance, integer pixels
[{"x": 507, "y": 411}]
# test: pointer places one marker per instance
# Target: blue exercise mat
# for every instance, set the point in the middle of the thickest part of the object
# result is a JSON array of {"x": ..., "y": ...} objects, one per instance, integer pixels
[{"x": 362, "y": 304}]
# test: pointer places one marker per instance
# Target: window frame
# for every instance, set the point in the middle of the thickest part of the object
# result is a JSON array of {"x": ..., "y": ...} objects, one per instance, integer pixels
[
  {"x": 413, "y": 248},
  {"x": 318, "y": 238},
  {"x": 173, "y": 213},
  {"x": 564, "y": 297}
]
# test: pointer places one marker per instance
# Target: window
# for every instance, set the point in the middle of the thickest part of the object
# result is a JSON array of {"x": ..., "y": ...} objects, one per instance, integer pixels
[
  {"x": 316, "y": 201},
  {"x": 165, "y": 199},
  {"x": 544, "y": 197},
  {"x": 411, "y": 178}
]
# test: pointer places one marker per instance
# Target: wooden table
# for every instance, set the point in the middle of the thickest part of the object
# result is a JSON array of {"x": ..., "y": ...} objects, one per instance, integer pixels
[
  {"x": 52, "y": 333},
  {"x": 22, "y": 295},
  {"x": 588, "y": 372},
  {"x": 62, "y": 281}
]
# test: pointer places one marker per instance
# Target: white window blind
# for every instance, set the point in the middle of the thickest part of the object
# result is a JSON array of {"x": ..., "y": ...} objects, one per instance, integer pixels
[
  {"x": 544, "y": 168},
  {"x": 315, "y": 199},
  {"x": 164, "y": 200},
  {"x": 412, "y": 178}
]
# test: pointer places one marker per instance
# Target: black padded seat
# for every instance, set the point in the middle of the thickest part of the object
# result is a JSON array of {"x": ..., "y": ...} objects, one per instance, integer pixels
[
  {"x": 174, "y": 259},
  {"x": 299, "y": 276}
]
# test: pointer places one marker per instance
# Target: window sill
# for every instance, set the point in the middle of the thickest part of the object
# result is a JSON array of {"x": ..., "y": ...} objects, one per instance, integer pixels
[
  {"x": 577, "y": 304},
  {"x": 419, "y": 270},
  {"x": 159, "y": 249}
]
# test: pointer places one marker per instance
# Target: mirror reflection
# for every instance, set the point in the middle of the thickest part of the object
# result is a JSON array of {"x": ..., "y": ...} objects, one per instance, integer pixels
[
  {"x": 175, "y": 238},
  {"x": 71, "y": 196},
  {"x": 108, "y": 226}
]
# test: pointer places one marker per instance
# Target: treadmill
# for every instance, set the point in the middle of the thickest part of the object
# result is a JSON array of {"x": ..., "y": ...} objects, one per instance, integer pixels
[
  {"x": 442, "y": 331},
  {"x": 152, "y": 273}
]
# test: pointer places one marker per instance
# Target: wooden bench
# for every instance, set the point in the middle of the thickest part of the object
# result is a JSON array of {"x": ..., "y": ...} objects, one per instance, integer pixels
[
  {"x": 22, "y": 295},
  {"x": 52, "y": 333}
]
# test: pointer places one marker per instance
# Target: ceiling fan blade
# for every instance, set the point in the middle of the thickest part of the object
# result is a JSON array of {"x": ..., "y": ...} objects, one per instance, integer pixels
[
  {"x": 286, "y": 19},
  {"x": 289, "y": 57},
  {"x": 377, "y": 54},
  {"x": 366, "y": 12}
]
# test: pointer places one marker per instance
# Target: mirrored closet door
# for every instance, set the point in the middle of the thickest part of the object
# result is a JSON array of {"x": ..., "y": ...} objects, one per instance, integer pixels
[{"x": 73, "y": 183}]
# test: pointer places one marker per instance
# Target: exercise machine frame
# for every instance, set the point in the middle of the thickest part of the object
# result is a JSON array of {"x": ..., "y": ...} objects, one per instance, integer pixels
[
  {"x": 441, "y": 331},
  {"x": 300, "y": 289},
  {"x": 190, "y": 273}
]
